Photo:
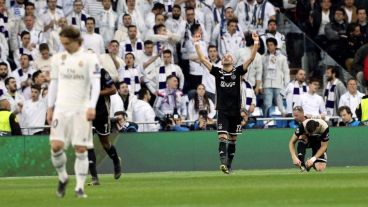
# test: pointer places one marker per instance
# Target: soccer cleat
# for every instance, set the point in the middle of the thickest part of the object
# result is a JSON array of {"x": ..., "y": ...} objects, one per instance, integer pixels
[
  {"x": 302, "y": 169},
  {"x": 117, "y": 169},
  {"x": 224, "y": 169},
  {"x": 80, "y": 193},
  {"x": 60, "y": 192},
  {"x": 94, "y": 181}
]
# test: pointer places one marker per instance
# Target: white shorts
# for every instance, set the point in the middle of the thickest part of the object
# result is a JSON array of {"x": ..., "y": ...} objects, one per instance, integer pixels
[{"x": 71, "y": 127}]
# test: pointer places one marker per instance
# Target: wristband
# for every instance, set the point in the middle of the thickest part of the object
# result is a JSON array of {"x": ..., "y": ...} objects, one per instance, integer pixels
[
  {"x": 196, "y": 43},
  {"x": 313, "y": 159},
  {"x": 256, "y": 42}
]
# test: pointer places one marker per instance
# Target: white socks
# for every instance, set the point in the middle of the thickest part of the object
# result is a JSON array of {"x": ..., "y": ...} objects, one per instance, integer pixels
[
  {"x": 81, "y": 169},
  {"x": 58, "y": 160}
]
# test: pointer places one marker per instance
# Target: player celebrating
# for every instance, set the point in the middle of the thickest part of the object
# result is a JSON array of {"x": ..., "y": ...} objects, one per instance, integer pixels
[
  {"x": 228, "y": 99},
  {"x": 72, "y": 98},
  {"x": 314, "y": 134},
  {"x": 102, "y": 127}
]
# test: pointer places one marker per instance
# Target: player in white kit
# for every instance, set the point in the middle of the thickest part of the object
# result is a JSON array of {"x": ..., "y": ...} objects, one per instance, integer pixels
[{"x": 73, "y": 94}]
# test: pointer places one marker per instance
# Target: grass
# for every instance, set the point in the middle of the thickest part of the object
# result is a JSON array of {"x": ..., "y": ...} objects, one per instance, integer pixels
[{"x": 334, "y": 187}]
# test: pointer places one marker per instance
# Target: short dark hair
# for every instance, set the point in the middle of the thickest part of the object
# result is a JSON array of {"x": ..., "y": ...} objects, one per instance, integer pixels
[
  {"x": 36, "y": 74},
  {"x": 352, "y": 79},
  {"x": 142, "y": 93},
  {"x": 188, "y": 8},
  {"x": 148, "y": 42},
  {"x": 313, "y": 80},
  {"x": 29, "y": 4},
  {"x": 44, "y": 46},
  {"x": 3, "y": 64},
  {"x": 346, "y": 108},
  {"x": 177, "y": 6},
  {"x": 361, "y": 8},
  {"x": 126, "y": 15},
  {"x": 170, "y": 77},
  {"x": 272, "y": 21},
  {"x": 233, "y": 20},
  {"x": 121, "y": 83},
  {"x": 167, "y": 51},
  {"x": 194, "y": 28},
  {"x": 26, "y": 55},
  {"x": 271, "y": 39},
  {"x": 71, "y": 33},
  {"x": 92, "y": 19},
  {"x": 115, "y": 41},
  {"x": 311, "y": 126},
  {"x": 6, "y": 81},
  {"x": 132, "y": 26},
  {"x": 157, "y": 27},
  {"x": 129, "y": 53},
  {"x": 37, "y": 87},
  {"x": 333, "y": 69},
  {"x": 211, "y": 46},
  {"x": 24, "y": 33},
  {"x": 340, "y": 10}
]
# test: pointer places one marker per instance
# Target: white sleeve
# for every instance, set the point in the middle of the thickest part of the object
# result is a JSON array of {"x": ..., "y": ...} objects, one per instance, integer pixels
[
  {"x": 94, "y": 75},
  {"x": 51, "y": 94},
  {"x": 322, "y": 108},
  {"x": 191, "y": 111},
  {"x": 213, "y": 110}
]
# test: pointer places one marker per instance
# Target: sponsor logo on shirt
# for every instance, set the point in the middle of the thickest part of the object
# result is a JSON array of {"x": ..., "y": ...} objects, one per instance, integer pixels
[{"x": 223, "y": 84}]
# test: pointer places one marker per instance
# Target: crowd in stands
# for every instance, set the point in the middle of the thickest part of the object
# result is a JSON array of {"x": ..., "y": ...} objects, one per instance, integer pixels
[{"x": 146, "y": 47}]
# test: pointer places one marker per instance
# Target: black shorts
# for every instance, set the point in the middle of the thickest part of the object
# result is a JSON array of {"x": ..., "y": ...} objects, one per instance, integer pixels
[
  {"x": 229, "y": 123},
  {"x": 102, "y": 125},
  {"x": 315, "y": 147}
]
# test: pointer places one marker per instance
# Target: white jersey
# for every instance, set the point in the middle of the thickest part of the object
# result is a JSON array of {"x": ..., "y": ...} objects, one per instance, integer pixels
[{"x": 74, "y": 73}]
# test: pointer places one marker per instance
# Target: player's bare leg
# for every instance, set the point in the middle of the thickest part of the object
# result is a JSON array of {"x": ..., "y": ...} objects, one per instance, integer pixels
[
  {"x": 320, "y": 166},
  {"x": 111, "y": 151},
  {"x": 58, "y": 159},
  {"x": 81, "y": 170},
  {"x": 222, "y": 153}
]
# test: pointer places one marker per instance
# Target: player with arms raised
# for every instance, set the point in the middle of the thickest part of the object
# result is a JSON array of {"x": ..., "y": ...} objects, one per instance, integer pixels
[
  {"x": 228, "y": 99},
  {"x": 72, "y": 98}
]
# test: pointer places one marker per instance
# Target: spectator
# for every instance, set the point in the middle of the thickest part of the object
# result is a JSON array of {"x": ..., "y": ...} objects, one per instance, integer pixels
[
  {"x": 272, "y": 32},
  {"x": 111, "y": 61},
  {"x": 43, "y": 62},
  {"x": 248, "y": 96},
  {"x": 175, "y": 24},
  {"x": 221, "y": 28},
  {"x": 24, "y": 73},
  {"x": 54, "y": 40},
  {"x": 143, "y": 112},
  {"x": 123, "y": 101},
  {"x": 264, "y": 11},
  {"x": 92, "y": 40},
  {"x": 294, "y": 90},
  {"x": 318, "y": 19},
  {"x": 107, "y": 21},
  {"x": 336, "y": 35},
  {"x": 350, "y": 10},
  {"x": 93, "y": 7},
  {"x": 167, "y": 68},
  {"x": 78, "y": 18},
  {"x": 312, "y": 103},
  {"x": 362, "y": 22},
  {"x": 174, "y": 123},
  {"x": 244, "y": 11},
  {"x": 121, "y": 34},
  {"x": 38, "y": 80},
  {"x": 151, "y": 18},
  {"x": 122, "y": 124},
  {"x": 208, "y": 80},
  {"x": 132, "y": 44},
  {"x": 335, "y": 88},
  {"x": 347, "y": 117},
  {"x": 275, "y": 76},
  {"x": 4, "y": 71},
  {"x": 8, "y": 122},
  {"x": 25, "y": 48},
  {"x": 37, "y": 36},
  {"x": 201, "y": 104},
  {"x": 360, "y": 65},
  {"x": 362, "y": 109},
  {"x": 137, "y": 17},
  {"x": 354, "y": 42},
  {"x": 352, "y": 97},
  {"x": 131, "y": 74},
  {"x": 171, "y": 100},
  {"x": 50, "y": 17},
  {"x": 255, "y": 72},
  {"x": 15, "y": 98},
  {"x": 232, "y": 40},
  {"x": 34, "y": 112}
]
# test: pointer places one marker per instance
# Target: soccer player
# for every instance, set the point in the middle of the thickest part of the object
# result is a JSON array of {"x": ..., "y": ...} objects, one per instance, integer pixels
[
  {"x": 314, "y": 134},
  {"x": 72, "y": 98},
  {"x": 102, "y": 128},
  {"x": 228, "y": 100}
]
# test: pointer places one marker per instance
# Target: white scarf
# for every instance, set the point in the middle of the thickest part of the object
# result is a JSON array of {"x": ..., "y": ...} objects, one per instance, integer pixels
[
  {"x": 131, "y": 77},
  {"x": 108, "y": 18},
  {"x": 246, "y": 94},
  {"x": 162, "y": 75},
  {"x": 330, "y": 97},
  {"x": 298, "y": 91}
]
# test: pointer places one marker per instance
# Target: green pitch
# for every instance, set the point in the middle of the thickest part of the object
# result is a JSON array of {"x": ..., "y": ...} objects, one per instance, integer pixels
[{"x": 335, "y": 187}]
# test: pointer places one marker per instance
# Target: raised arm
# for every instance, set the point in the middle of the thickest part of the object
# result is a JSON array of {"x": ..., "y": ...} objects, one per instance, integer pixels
[
  {"x": 201, "y": 57},
  {"x": 253, "y": 53}
]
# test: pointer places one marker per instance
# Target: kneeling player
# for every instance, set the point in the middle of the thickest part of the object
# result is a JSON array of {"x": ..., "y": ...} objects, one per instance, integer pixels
[{"x": 314, "y": 134}]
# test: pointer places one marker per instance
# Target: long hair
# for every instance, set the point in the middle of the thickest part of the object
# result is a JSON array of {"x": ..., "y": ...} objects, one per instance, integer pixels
[{"x": 206, "y": 101}]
